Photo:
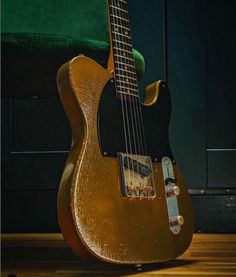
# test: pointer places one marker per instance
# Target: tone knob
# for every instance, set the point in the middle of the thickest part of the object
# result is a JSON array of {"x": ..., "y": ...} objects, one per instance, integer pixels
[
  {"x": 173, "y": 191},
  {"x": 179, "y": 220}
]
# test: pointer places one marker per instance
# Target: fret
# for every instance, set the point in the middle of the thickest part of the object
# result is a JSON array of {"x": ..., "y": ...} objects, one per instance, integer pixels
[
  {"x": 119, "y": 9},
  {"x": 123, "y": 27},
  {"x": 123, "y": 57},
  {"x": 128, "y": 37},
  {"x": 123, "y": 50},
  {"x": 120, "y": 48},
  {"x": 125, "y": 66},
  {"x": 122, "y": 42},
  {"x": 113, "y": 15},
  {"x": 121, "y": 31},
  {"x": 118, "y": 15},
  {"x": 125, "y": 70},
  {"x": 124, "y": 76},
  {"x": 130, "y": 94},
  {"x": 128, "y": 71},
  {"x": 127, "y": 83},
  {"x": 127, "y": 89}
]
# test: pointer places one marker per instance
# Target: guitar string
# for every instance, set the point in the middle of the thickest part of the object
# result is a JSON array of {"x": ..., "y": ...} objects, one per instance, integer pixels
[
  {"x": 128, "y": 61},
  {"x": 122, "y": 97},
  {"x": 132, "y": 100},
  {"x": 140, "y": 120},
  {"x": 139, "y": 117},
  {"x": 142, "y": 128},
  {"x": 127, "y": 56},
  {"x": 137, "y": 104},
  {"x": 122, "y": 107},
  {"x": 136, "y": 111}
]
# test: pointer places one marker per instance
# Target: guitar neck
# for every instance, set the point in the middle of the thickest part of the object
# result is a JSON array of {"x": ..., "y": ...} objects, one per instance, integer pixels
[{"x": 121, "y": 47}]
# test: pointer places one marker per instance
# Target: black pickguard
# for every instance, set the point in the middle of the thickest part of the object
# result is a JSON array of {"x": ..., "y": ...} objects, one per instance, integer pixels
[{"x": 156, "y": 120}]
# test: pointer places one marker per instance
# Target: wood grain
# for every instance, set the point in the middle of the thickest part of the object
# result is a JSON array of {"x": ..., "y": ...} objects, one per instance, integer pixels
[{"x": 36, "y": 255}]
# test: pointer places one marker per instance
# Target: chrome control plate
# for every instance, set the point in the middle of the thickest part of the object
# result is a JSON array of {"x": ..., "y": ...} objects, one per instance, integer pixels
[{"x": 175, "y": 219}]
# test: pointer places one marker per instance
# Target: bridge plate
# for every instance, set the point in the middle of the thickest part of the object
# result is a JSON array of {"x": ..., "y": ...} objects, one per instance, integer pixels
[{"x": 136, "y": 176}]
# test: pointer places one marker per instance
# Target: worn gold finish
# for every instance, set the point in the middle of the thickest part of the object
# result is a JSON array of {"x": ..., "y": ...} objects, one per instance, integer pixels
[
  {"x": 97, "y": 222},
  {"x": 152, "y": 93}
]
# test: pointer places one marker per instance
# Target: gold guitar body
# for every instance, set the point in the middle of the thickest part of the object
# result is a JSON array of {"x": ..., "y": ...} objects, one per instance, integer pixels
[{"x": 97, "y": 221}]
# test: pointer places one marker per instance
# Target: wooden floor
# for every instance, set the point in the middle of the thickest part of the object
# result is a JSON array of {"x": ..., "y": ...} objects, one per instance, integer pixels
[{"x": 44, "y": 255}]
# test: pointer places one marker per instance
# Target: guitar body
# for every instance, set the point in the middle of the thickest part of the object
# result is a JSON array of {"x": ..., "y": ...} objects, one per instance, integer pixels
[{"x": 97, "y": 221}]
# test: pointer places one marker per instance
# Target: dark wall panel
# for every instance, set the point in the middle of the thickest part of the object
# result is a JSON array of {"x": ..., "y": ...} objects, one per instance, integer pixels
[
  {"x": 220, "y": 95},
  {"x": 29, "y": 211},
  {"x": 221, "y": 169},
  {"x": 187, "y": 81},
  {"x": 32, "y": 171},
  {"x": 221, "y": 81},
  {"x": 215, "y": 213},
  {"x": 39, "y": 125},
  {"x": 35, "y": 143},
  {"x": 146, "y": 22}
]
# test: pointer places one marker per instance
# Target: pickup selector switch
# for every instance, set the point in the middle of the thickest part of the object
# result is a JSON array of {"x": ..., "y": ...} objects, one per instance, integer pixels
[{"x": 170, "y": 180}]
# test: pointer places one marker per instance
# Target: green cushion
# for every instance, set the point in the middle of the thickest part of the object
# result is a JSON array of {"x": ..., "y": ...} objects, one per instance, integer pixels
[
  {"x": 44, "y": 45},
  {"x": 30, "y": 61},
  {"x": 59, "y": 27},
  {"x": 75, "y": 18}
]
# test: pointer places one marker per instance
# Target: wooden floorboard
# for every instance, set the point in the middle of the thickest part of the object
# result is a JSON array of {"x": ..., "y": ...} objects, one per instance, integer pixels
[{"x": 34, "y": 255}]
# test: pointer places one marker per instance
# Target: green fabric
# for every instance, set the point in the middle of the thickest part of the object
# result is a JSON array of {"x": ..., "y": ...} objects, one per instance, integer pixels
[
  {"x": 43, "y": 45},
  {"x": 30, "y": 61},
  {"x": 59, "y": 27},
  {"x": 75, "y": 18}
]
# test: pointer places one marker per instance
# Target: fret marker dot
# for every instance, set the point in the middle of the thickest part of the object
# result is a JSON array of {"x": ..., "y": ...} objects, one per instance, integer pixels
[{"x": 126, "y": 32}]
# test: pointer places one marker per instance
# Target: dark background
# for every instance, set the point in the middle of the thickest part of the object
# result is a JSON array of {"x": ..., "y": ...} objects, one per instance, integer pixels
[{"x": 191, "y": 43}]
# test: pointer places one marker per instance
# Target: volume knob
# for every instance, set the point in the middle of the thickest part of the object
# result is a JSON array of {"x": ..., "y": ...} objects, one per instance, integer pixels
[{"x": 173, "y": 191}]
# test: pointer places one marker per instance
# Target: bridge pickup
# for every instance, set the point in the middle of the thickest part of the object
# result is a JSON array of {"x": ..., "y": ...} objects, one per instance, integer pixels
[
  {"x": 136, "y": 176},
  {"x": 136, "y": 166}
]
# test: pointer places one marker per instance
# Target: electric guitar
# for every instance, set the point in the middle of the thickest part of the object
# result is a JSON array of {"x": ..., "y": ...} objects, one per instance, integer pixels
[{"x": 122, "y": 198}]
